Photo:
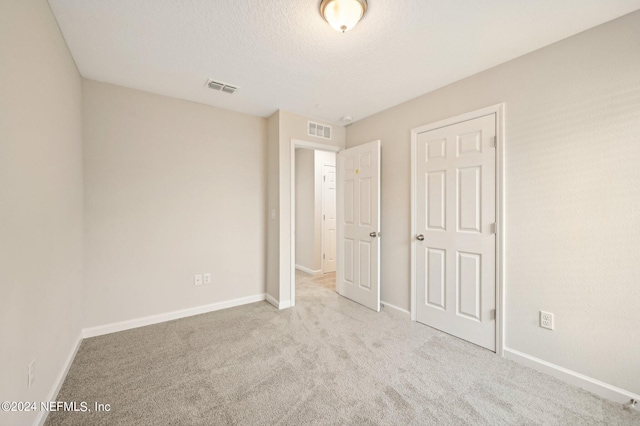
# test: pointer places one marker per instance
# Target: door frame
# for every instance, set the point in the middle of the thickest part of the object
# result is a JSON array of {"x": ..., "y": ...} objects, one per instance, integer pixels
[
  {"x": 297, "y": 143},
  {"x": 499, "y": 111}
]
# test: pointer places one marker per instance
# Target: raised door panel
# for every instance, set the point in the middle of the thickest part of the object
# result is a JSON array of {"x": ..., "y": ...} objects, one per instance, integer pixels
[
  {"x": 348, "y": 264},
  {"x": 365, "y": 264},
  {"x": 435, "y": 278},
  {"x": 469, "y": 199},
  {"x": 365, "y": 202},
  {"x": 468, "y": 285}
]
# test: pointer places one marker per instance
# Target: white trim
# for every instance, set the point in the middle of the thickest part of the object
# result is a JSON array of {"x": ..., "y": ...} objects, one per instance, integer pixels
[
  {"x": 307, "y": 270},
  {"x": 587, "y": 383},
  {"x": 277, "y": 304},
  {"x": 169, "y": 316},
  {"x": 500, "y": 230},
  {"x": 42, "y": 416},
  {"x": 395, "y": 308},
  {"x": 273, "y": 301},
  {"x": 285, "y": 304},
  {"x": 297, "y": 143},
  {"x": 413, "y": 309},
  {"x": 499, "y": 111}
]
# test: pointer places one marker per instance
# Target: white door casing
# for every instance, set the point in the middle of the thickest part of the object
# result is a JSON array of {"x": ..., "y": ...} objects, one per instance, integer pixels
[
  {"x": 328, "y": 218},
  {"x": 455, "y": 229},
  {"x": 358, "y": 230}
]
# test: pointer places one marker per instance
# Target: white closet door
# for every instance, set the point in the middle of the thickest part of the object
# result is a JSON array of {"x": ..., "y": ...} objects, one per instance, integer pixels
[{"x": 455, "y": 219}]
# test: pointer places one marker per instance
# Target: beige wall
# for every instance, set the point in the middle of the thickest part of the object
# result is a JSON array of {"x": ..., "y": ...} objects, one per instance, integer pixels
[
  {"x": 306, "y": 210},
  {"x": 273, "y": 206},
  {"x": 172, "y": 188},
  {"x": 572, "y": 195},
  {"x": 41, "y": 199}
]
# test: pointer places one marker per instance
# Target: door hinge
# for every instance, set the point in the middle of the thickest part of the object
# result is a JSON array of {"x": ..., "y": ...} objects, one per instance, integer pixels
[
  {"x": 324, "y": 217},
  {"x": 494, "y": 228},
  {"x": 492, "y": 314},
  {"x": 323, "y": 256},
  {"x": 324, "y": 178},
  {"x": 494, "y": 142}
]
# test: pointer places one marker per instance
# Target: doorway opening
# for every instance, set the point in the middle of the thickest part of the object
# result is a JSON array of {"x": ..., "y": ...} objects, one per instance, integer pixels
[{"x": 313, "y": 215}]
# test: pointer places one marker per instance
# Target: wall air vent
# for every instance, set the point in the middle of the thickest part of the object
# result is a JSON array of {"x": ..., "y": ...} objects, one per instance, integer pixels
[
  {"x": 224, "y": 87},
  {"x": 319, "y": 130}
]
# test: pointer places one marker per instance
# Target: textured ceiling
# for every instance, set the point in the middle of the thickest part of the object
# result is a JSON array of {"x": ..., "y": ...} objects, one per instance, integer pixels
[{"x": 283, "y": 55}]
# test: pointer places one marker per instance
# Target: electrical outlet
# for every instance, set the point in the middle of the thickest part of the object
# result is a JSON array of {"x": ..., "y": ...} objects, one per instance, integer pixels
[
  {"x": 31, "y": 374},
  {"x": 546, "y": 320},
  {"x": 207, "y": 278},
  {"x": 198, "y": 279}
]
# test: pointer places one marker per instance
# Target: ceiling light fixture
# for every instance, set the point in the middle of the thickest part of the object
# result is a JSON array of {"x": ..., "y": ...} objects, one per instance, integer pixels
[{"x": 343, "y": 15}]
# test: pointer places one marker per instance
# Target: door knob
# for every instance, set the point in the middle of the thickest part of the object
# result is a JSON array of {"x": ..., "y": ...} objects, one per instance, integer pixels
[
  {"x": 420, "y": 237},
  {"x": 373, "y": 234}
]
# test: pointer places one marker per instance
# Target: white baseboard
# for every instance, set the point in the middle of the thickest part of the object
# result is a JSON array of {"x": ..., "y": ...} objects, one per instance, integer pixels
[
  {"x": 390, "y": 306},
  {"x": 273, "y": 301},
  {"x": 587, "y": 383},
  {"x": 155, "y": 319},
  {"x": 278, "y": 304},
  {"x": 307, "y": 270},
  {"x": 42, "y": 416}
]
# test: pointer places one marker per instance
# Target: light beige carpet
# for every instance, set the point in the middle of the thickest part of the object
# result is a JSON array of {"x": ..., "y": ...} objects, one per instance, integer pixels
[{"x": 325, "y": 361}]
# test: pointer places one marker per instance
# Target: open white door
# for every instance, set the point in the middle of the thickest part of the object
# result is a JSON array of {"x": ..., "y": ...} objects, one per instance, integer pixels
[{"x": 358, "y": 228}]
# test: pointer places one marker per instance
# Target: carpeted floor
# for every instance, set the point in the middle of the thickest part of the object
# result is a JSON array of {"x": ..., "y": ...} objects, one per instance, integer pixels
[{"x": 325, "y": 361}]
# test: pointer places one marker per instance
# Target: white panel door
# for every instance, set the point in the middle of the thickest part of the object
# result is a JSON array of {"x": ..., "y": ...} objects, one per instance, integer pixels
[
  {"x": 358, "y": 268},
  {"x": 455, "y": 216},
  {"x": 328, "y": 218}
]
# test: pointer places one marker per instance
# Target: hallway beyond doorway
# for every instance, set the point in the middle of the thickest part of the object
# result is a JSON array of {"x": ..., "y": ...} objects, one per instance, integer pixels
[{"x": 324, "y": 280}]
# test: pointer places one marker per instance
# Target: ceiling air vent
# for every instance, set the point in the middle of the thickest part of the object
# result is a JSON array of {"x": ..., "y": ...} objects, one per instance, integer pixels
[
  {"x": 229, "y": 89},
  {"x": 319, "y": 130},
  {"x": 218, "y": 85},
  {"x": 215, "y": 85}
]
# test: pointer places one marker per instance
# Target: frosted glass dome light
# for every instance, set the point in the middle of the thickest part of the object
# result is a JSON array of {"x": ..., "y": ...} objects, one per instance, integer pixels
[{"x": 343, "y": 15}]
